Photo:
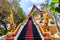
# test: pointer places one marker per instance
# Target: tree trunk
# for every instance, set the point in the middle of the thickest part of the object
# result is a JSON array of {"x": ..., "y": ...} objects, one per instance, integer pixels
[
  {"x": 4, "y": 26},
  {"x": 56, "y": 22}
]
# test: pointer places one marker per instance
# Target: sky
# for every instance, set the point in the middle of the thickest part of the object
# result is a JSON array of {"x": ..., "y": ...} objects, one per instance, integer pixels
[{"x": 27, "y": 5}]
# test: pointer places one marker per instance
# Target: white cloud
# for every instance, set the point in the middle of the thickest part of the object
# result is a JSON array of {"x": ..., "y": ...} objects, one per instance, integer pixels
[
  {"x": 38, "y": 7},
  {"x": 35, "y": 1},
  {"x": 29, "y": 8}
]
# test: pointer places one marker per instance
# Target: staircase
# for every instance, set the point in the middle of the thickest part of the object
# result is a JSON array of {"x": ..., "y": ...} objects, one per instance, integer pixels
[{"x": 29, "y": 32}]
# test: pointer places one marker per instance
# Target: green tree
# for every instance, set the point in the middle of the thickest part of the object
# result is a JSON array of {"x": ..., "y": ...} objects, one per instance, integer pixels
[
  {"x": 4, "y": 14},
  {"x": 45, "y": 5},
  {"x": 54, "y": 7},
  {"x": 19, "y": 15},
  {"x": 34, "y": 13},
  {"x": 5, "y": 8}
]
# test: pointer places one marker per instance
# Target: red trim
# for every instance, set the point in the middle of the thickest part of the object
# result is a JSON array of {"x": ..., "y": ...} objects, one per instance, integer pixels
[
  {"x": 47, "y": 38},
  {"x": 12, "y": 38}
]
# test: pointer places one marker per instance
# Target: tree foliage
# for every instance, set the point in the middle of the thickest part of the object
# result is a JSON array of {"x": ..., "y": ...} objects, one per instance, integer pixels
[
  {"x": 5, "y": 8},
  {"x": 19, "y": 15},
  {"x": 44, "y": 5},
  {"x": 34, "y": 13},
  {"x": 54, "y": 6}
]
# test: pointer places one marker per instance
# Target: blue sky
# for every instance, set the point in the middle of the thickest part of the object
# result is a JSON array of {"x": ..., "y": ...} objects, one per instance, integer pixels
[{"x": 27, "y": 4}]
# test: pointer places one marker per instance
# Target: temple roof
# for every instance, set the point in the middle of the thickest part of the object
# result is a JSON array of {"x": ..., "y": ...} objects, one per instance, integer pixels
[{"x": 34, "y": 8}]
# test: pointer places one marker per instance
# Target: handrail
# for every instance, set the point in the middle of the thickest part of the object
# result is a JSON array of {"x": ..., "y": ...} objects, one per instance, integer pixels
[
  {"x": 40, "y": 28},
  {"x": 12, "y": 34},
  {"x": 42, "y": 31}
]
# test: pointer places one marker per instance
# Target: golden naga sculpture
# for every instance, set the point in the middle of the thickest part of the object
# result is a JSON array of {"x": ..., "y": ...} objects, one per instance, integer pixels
[
  {"x": 11, "y": 21},
  {"x": 46, "y": 17}
]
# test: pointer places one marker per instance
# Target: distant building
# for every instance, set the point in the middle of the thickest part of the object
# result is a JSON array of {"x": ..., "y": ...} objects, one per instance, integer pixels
[{"x": 37, "y": 13}]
